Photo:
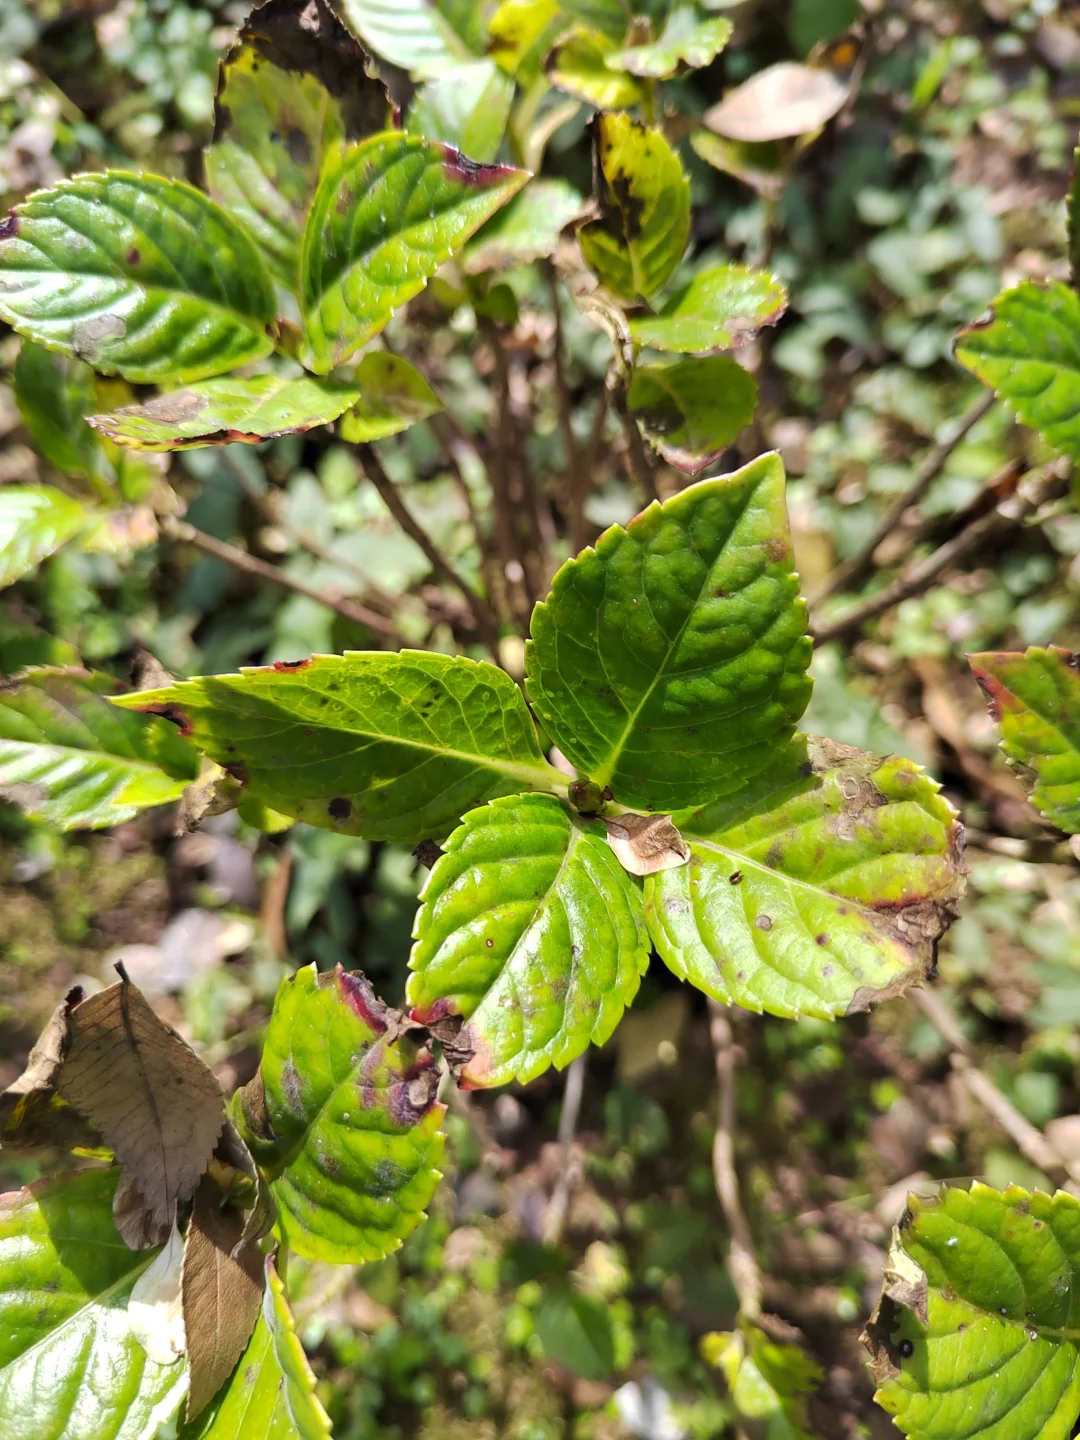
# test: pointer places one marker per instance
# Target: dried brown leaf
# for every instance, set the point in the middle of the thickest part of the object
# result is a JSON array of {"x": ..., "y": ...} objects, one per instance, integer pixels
[
  {"x": 31, "y": 1113},
  {"x": 778, "y": 103},
  {"x": 153, "y": 1100},
  {"x": 644, "y": 844}
]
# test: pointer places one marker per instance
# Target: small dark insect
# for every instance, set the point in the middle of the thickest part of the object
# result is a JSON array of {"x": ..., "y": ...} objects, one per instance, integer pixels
[
  {"x": 906, "y": 1348},
  {"x": 735, "y": 877}
]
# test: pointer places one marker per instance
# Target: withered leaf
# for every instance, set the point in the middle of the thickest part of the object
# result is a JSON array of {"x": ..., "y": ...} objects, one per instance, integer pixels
[
  {"x": 153, "y": 1100},
  {"x": 31, "y": 1112},
  {"x": 222, "y": 1292},
  {"x": 645, "y": 844},
  {"x": 155, "y": 1312}
]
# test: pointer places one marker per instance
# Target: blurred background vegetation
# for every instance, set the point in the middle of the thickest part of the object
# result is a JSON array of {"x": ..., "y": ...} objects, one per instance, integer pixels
[{"x": 941, "y": 180}]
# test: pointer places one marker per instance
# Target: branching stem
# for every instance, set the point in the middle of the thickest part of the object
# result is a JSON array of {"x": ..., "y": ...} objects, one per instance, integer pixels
[
  {"x": 742, "y": 1261},
  {"x": 559, "y": 1205}
]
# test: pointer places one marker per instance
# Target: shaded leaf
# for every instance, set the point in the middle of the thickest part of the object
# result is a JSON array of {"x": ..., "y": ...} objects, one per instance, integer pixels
[
  {"x": 415, "y": 34},
  {"x": 645, "y": 844},
  {"x": 272, "y": 1391},
  {"x": 154, "y": 1102},
  {"x": 767, "y": 1380},
  {"x": 669, "y": 661},
  {"x": 136, "y": 275},
  {"x": 222, "y": 1292},
  {"x": 387, "y": 213},
  {"x": 58, "y": 1243},
  {"x": 531, "y": 930},
  {"x": 580, "y": 67},
  {"x": 35, "y": 522},
  {"x": 609, "y": 17},
  {"x": 393, "y": 396},
  {"x": 1035, "y": 698},
  {"x": 295, "y": 83},
  {"x": 229, "y": 409},
  {"x": 1027, "y": 348},
  {"x": 70, "y": 758},
  {"x": 54, "y": 395},
  {"x": 976, "y": 1333},
  {"x": 342, "y": 1119},
  {"x": 31, "y": 1113},
  {"x": 685, "y": 40},
  {"x": 467, "y": 106},
  {"x": 644, "y": 199},
  {"x": 757, "y": 164},
  {"x": 391, "y": 746},
  {"x": 779, "y": 102},
  {"x": 818, "y": 889},
  {"x": 575, "y": 1332},
  {"x": 526, "y": 229},
  {"x": 691, "y": 410},
  {"x": 719, "y": 309}
]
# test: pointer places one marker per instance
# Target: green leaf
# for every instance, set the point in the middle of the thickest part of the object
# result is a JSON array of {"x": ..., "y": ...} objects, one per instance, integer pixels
[
  {"x": 1027, "y": 348},
  {"x": 532, "y": 931},
  {"x": 720, "y": 309},
  {"x": 271, "y": 1395},
  {"x": 467, "y": 106},
  {"x": 817, "y": 889},
  {"x": 691, "y": 410},
  {"x": 415, "y": 34},
  {"x": 580, "y": 67},
  {"x": 35, "y": 521},
  {"x": 644, "y": 199},
  {"x": 393, "y": 396},
  {"x": 386, "y": 215},
  {"x": 527, "y": 229},
  {"x": 1035, "y": 698},
  {"x": 977, "y": 1332},
  {"x": 767, "y": 1379},
  {"x": 685, "y": 40},
  {"x": 669, "y": 661},
  {"x": 521, "y": 34},
  {"x": 136, "y": 275},
  {"x": 757, "y": 164},
  {"x": 390, "y": 746},
  {"x": 69, "y": 1364},
  {"x": 288, "y": 90},
  {"x": 575, "y": 1332},
  {"x": 229, "y": 409},
  {"x": 610, "y": 17},
  {"x": 342, "y": 1120},
  {"x": 75, "y": 761},
  {"x": 54, "y": 396}
]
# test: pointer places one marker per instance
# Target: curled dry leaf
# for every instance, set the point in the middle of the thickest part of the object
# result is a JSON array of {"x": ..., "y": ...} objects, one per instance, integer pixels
[
  {"x": 151, "y": 1098},
  {"x": 778, "y": 103},
  {"x": 31, "y": 1113},
  {"x": 644, "y": 844},
  {"x": 155, "y": 1312}
]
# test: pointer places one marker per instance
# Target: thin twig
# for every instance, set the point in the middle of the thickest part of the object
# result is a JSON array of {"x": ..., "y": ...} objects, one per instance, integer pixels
[
  {"x": 576, "y": 480},
  {"x": 487, "y": 626},
  {"x": 859, "y": 566},
  {"x": 559, "y": 1204},
  {"x": 639, "y": 465},
  {"x": 1032, "y": 492},
  {"x": 1031, "y": 1142},
  {"x": 241, "y": 560},
  {"x": 742, "y": 1261}
]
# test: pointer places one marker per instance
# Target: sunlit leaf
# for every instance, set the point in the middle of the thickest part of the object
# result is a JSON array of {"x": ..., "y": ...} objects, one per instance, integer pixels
[
  {"x": 272, "y": 1391},
  {"x": 527, "y": 229},
  {"x": 391, "y": 746},
  {"x": 669, "y": 661},
  {"x": 229, "y": 409},
  {"x": 521, "y": 34},
  {"x": 293, "y": 85},
  {"x": 818, "y": 888},
  {"x": 644, "y": 199},
  {"x": 54, "y": 395},
  {"x": 1035, "y": 698},
  {"x": 393, "y": 396},
  {"x": 386, "y": 215},
  {"x": 768, "y": 1380},
  {"x": 70, "y": 758},
  {"x": 467, "y": 106},
  {"x": 136, "y": 275},
  {"x": 720, "y": 309},
  {"x": 782, "y": 101},
  {"x": 580, "y": 67},
  {"x": 532, "y": 931},
  {"x": 691, "y": 410},
  {"x": 685, "y": 40},
  {"x": 35, "y": 521},
  {"x": 416, "y": 34},
  {"x": 1028, "y": 349},
  {"x": 976, "y": 1333},
  {"x": 66, "y": 1349},
  {"x": 342, "y": 1119}
]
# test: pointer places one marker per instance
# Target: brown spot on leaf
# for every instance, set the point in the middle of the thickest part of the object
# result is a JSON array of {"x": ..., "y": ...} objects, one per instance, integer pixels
[
  {"x": 291, "y": 664},
  {"x": 170, "y": 711},
  {"x": 464, "y": 171},
  {"x": 339, "y": 808}
]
